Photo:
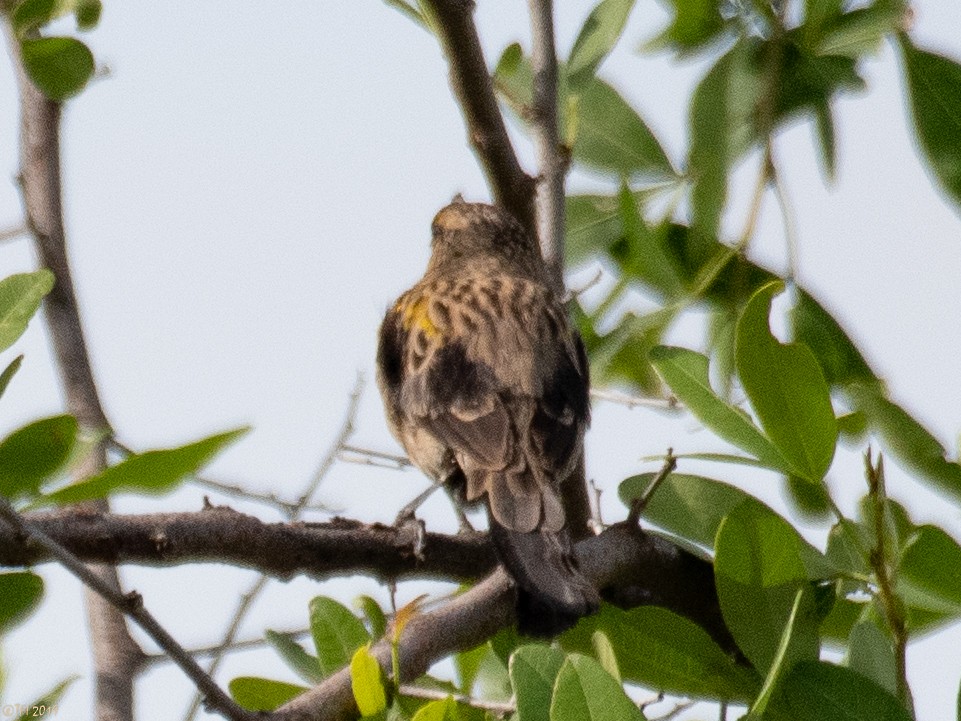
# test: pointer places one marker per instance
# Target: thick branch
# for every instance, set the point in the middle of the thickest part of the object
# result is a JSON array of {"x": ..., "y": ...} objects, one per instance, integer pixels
[
  {"x": 471, "y": 82},
  {"x": 221, "y": 535},
  {"x": 551, "y": 163},
  {"x": 475, "y": 616}
]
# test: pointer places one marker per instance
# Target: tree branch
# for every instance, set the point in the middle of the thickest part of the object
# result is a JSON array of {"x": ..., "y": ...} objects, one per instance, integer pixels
[
  {"x": 116, "y": 655},
  {"x": 222, "y": 535},
  {"x": 473, "y": 617},
  {"x": 471, "y": 82},
  {"x": 130, "y": 604},
  {"x": 551, "y": 163}
]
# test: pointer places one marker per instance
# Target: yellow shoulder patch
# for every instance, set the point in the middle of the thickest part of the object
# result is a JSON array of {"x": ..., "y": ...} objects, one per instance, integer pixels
[{"x": 414, "y": 315}]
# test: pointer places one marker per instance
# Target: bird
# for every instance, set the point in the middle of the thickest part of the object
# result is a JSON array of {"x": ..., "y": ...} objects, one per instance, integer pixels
[{"x": 485, "y": 385}]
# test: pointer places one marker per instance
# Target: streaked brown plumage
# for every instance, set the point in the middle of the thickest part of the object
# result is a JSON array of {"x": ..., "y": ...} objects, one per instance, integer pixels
[{"x": 485, "y": 383}]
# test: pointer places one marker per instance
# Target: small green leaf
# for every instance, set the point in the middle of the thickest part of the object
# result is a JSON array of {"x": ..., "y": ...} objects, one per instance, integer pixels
[
  {"x": 262, "y": 694},
  {"x": 294, "y": 655},
  {"x": 687, "y": 375},
  {"x": 819, "y": 691},
  {"x": 60, "y": 67},
  {"x": 871, "y": 654},
  {"x": 9, "y": 372},
  {"x": 662, "y": 650},
  {"x": 779, "y": 665},
  {"x": 584, "y": 691},
  {"x": 641, "y": 252},
  {"x": 367, "y": 682},
  {"x": 906, "y": 439},
  {"x": 151, "y": 472},
  {"x": 20, "y": 296},
  {"x": 787, "y": 390},
  {"x": 533, "y": 670},
  {"x": 597, "y": 38},
  {"x": 34, "y": 454},
  {"x": 696, "y": 24},
  {"x": 337, "y": 633},
  {"x": 50, "y": 698},
  {"x": 88, "y": 14},
  {"x": 20, "y": 593},
  {"x": 30, "y": 14},
  {"x": 758, "y": 571},
  {"x": 446, "y": 710},
  {"x": 928, "y": 576},
  {"x": 468, "y": 664},
  {"x": 410, "y": 12},
  {"x": 376, "y": 620},
  {"x": 934, "y": 82},
  {"x": 605, "y": 654}
]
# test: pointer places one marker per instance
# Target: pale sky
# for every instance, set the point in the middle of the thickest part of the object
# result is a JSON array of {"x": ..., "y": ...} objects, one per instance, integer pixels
[{"x": 252, "y": 185}]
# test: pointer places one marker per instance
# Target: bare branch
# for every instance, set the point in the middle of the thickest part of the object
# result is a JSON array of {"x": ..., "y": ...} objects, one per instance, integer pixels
[
  {"x": 222, "y": 535},
  {"x": 247, "y": 644},
  {"x": 14, "y": 232},
  {"x": 497, "y": 708},
  {"x": 666, "y": 404},
  {"x": 551, "y": 162},
  {"x": 639, "y": 504},
  {"x": 116, "y": 654},
  {"x": 131, "y": 605},
  {"x": 370, "y": 457},
  {"x": 471, "y": 82}
]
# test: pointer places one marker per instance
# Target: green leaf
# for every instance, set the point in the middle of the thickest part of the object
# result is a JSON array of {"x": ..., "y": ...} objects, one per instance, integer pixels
[
  {"x": 367, "y": 682},
  {"x": 294, "y": 655},
  {"x": 758, "y": 570},
  {"x": 779, "y": 665},
  {"x": 376, "y": 620},
  {"x": 810, "y": 501},
  {"x": 20, "y": 296},
  {"x": 262, "y": 694},
  {"x": 661, "y": 650},
  {"x": 60, "y": 67},
  {"x": 410, "y": 12},
  {"x": 604, "y": 652},
  {"x": 928, "y": 576},
  {"x": 7, "y": 375},
  {"x": 35, "y": 453},
  {"x": 586, "y": 692},
  {"x": 468, "y": 664},
  {"x": 905, "y": 438},
  {"x": 934, "y": 83},
  {"x": 151, "y": 472},
  {"x": 641, "y": 252},
  {"x": 337, "y": 633},
  {"x": 447, "y": 710},
  {"x": 20, "y": 593},
  {"x": 621, "y": 355},
  {"x": 787, "y": 390},
  {"x": 861, "y": 31},
  {"x": 696, "y": 24},
  {"x": 819, "y": 691},
  {"x": 88, "y": 14},
  {"x": 871, "y": 654},
  {"x": 50, "y": 698},
  {"x": 611, "y": 137},
  {"x": 687, "y": 375},
  {"x": 838, "y": 356},
  {"x": 30, "y": 14},
  {"x": 533, "y": 670},
  {"x": 597, "y": 38},
  {"x": 721, "y": 122}
]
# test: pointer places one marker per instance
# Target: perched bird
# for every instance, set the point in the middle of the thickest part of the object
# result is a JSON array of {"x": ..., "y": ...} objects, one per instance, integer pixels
[{"x": 486, "y": 385}]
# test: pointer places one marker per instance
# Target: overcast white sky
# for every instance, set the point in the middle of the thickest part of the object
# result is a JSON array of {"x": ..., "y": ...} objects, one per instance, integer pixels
[{"x": 252, "y": 185}]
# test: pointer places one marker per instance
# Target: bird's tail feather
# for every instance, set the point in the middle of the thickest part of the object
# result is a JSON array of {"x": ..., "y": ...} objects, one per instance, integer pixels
[{"x": 552, "y": 594}]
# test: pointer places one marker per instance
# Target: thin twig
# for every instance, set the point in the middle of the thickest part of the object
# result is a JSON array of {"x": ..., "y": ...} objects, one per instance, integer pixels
[
  {"x": 884, "y": 571},
  {"x": 639, "y": 504},
  {"x": 131, "y": 605},
  {"x": 234, "y": 491},
  {"x": 787, "y": 218},
  {"x": 664, "y": 404},
  {"x": 679, "y": 708},
  {"x": 294, "y": 514},
  {"x": 497, "y": 708},
  {"x": 14, "y": 232},
  {"x": 552, "y": 165},
  {"x": 370, "y": 457},
  {"x": 247, "y": 644}
]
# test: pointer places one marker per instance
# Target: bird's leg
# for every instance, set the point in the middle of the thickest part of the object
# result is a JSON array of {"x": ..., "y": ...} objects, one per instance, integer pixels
[{"x": 453, "y": 486}]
